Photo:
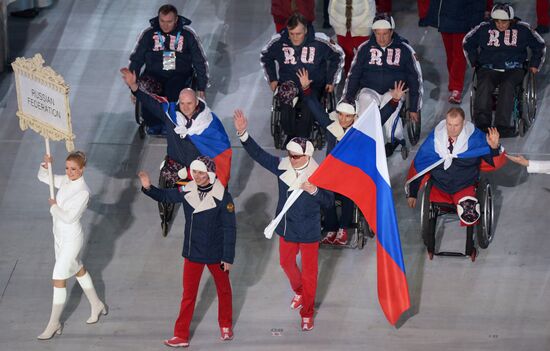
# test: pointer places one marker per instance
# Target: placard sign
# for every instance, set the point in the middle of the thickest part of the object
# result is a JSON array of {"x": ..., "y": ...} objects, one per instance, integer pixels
[{"x": 43, "y": 100}]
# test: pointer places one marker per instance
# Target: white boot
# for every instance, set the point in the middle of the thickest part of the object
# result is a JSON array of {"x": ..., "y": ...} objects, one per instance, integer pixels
[
  {"x": 54, "y": 326},
  {"x": 98, "y": 307}
]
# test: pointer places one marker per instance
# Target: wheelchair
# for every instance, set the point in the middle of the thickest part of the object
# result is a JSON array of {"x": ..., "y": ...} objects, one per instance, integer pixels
[
  {"x": 412, "y": 128},
  {"x": 483, "y": 231},
  {"x": 166, "y": 210},
  {"x": 525, "y": 102},
  {"x": 359, "y": 231},
  {"x": 317, "y": 134}
]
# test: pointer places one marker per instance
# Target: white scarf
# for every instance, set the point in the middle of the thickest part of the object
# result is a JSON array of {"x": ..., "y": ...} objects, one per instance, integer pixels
[
  {"x": 198, "y": 125},
  {"x": 441, "y": 142}
]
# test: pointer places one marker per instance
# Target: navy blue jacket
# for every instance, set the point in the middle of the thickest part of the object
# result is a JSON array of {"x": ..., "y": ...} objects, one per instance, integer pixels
[
  {"x": 322, "y": 58},
  {"x": 455, "y": 16},
  {"x": 487, "y": 47},
  {"x": 190, "y": 55},
  {"x": 462, "y": 173},
  {"x": 324, "y": 120},
  {"x": 378, "y": 69},
  {"x": 210, "y": 235},
  {"x": 302, "y": 222},
  {"x": 178, "y": 149}
]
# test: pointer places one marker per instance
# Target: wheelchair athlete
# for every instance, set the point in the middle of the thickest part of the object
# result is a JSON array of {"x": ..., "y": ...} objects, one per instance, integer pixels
[
  {"x": 451, "y": 155},
  {"x": 498, "y": 49},
  {"x": 337, "y": 124},
  {"x": 298, "y": 46},
  {"x": 384, "y": 59},
  {"x": 171, "y": 53}
]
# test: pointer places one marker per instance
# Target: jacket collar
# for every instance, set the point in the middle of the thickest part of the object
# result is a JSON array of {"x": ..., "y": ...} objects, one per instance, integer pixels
[
  {"x": 192, "y": 196},
  {"x": 290, "y": 176}
]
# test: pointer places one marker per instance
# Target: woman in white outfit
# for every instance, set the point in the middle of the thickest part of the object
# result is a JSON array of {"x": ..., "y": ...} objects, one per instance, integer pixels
[
  {"x": 66, "y": 209},
  {"x": 532, "y": 165}
]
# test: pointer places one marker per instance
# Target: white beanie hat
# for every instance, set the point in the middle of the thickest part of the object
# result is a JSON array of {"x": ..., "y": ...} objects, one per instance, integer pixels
[
  {"x": 346, "y": 108},
  {"x": 204, "y": 164},
  {"x": 300, "y": 146},
  {"x": 502, "y": 12},
  {"x": 383, "y": 22}
]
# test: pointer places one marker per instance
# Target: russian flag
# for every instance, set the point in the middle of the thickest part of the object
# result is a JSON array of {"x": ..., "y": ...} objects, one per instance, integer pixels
[
  {"x": 214, "y": 143},
  {"x": 211, "y": 140},
  {"x": 357, "y": 169},
  {"x": 474, "y": 145}
]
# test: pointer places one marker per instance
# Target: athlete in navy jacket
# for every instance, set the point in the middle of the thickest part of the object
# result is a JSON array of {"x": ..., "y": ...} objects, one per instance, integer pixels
[{"x": 499, "y": 50}]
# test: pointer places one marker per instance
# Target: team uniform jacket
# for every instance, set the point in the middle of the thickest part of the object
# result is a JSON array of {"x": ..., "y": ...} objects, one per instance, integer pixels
[
  {"x": 179, "y": 149},
  {"x": 190, "y": 55},
  {"x": 210, "y": 228},
  {"x": 302, "y": 222},
  {"x": 486, "y": 46},
  {"x": 322, "y": 58},
  {"x": 376, "y": 68}
]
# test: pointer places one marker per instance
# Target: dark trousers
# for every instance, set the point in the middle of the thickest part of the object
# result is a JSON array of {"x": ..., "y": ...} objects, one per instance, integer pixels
[
  {"x": 297, "y": 121},
  {"x": 487, "y": 81},
  {"x": 331, "y": 218},
  {"x": 171, "y": 88}
]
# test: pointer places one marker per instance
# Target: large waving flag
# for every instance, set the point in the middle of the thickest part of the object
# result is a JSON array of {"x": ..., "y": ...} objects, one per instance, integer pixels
[
  {"x": 357, "y": 169},
  {"x": 207, "y": 134}
]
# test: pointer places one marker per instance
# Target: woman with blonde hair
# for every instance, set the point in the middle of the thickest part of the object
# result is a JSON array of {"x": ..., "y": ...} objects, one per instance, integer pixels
[{"x": 66, "y": 209}]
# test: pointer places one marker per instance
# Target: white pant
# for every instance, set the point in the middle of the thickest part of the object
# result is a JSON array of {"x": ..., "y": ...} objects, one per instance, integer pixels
[{"x": 366, "y": 96}]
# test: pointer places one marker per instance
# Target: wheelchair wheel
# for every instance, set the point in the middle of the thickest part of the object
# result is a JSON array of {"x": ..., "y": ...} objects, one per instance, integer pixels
[
  {"x": 276, "y": 128},
  {"x": 485, "y": 230},
  {"x": 427, "y": 215},
  {"x": 317, "y": 136},
  {"x": 522, "y": 127},
  {"x": 329, "y": 101},
  {"x": 166, "y": 210},
  {"x": 473, "y": 96},
  {"x": 413, "y": 129},
  {"x": 404, "y": 152},
  {"x": 139, "y": 119},
  {"x": 529, "y": 98}
]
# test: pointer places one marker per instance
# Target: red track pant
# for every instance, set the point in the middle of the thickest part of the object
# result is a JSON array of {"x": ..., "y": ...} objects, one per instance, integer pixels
[
  {"x": 423, "y": 7},
  {"x": 349, "y": 44},
  {"x": 456, "y": 62},
  {"x": 303, "y": 282},
  {"x": 438, "y": 195},
  {"x": 192, "y": 272},
  {"x": 543, "y": 6},
  {"x": 383, "y": 6}
]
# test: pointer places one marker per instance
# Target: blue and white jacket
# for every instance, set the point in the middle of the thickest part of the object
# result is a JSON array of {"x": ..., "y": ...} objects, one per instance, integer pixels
[
  {"x": 379, "y": 68},
  {"x": 486, "y": 46}
]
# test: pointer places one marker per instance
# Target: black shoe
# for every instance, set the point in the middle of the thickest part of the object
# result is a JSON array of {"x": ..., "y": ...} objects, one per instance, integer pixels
[
  {"x": 390, "y": 148},
  {"x": 326, "y": 24},
  {"x": 542, "y": 29},
  {"x": 423, "y": 22},
  {"x": 507, "y": 132}
]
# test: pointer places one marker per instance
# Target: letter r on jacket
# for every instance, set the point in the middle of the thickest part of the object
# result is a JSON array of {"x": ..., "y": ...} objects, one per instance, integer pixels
[
  {"x": 375, "y": 57},
  {"x": 289, "y": 55}
]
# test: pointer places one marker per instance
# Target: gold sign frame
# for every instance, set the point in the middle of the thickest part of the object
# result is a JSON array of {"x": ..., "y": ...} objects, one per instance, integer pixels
[{"x": 33, "y": 69}]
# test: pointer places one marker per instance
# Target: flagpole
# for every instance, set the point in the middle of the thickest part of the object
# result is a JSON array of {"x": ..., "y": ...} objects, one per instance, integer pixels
[{"x": 50, "y": 171}]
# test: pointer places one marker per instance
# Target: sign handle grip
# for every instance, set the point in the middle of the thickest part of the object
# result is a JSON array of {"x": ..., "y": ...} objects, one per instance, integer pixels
[{"x": 50, "y": 171}]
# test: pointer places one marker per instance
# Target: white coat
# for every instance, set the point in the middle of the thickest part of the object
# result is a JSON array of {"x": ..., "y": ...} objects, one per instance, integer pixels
[
  {"x": 72, "y": 199},
  {"x": 538, "y": 167},
  {"x": 362, "y": 14}
]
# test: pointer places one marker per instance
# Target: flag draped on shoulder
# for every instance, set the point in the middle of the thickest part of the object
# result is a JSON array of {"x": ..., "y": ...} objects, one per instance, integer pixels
[
  {"x": 471, "y": 142},
  {"x": 206, "y": 133},
  {"x": 357, "y": 169}
]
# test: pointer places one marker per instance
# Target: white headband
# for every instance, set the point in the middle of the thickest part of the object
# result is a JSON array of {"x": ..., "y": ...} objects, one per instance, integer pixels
[
  {"x": 198, "y": 165},
  {"x": 297, "y": 148}
]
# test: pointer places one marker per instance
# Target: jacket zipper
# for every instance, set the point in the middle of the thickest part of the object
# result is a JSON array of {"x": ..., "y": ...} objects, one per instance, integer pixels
[
  {"x": 439, "y": 13},
  {"x": 190, "y": 235}
]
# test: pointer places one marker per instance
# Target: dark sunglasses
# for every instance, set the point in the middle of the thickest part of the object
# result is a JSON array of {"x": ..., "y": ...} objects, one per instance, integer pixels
[{"x": 295, "y": 157}]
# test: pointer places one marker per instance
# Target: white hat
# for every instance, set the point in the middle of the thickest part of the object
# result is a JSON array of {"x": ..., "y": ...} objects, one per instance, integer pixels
[
  {"x": 300, "y": 146},
  {"x": 502, "y": 12},
  {"x": 204, "y": 164},
  {"x": 346, "y": 108},
  {"x": 383, "y": 22}
]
